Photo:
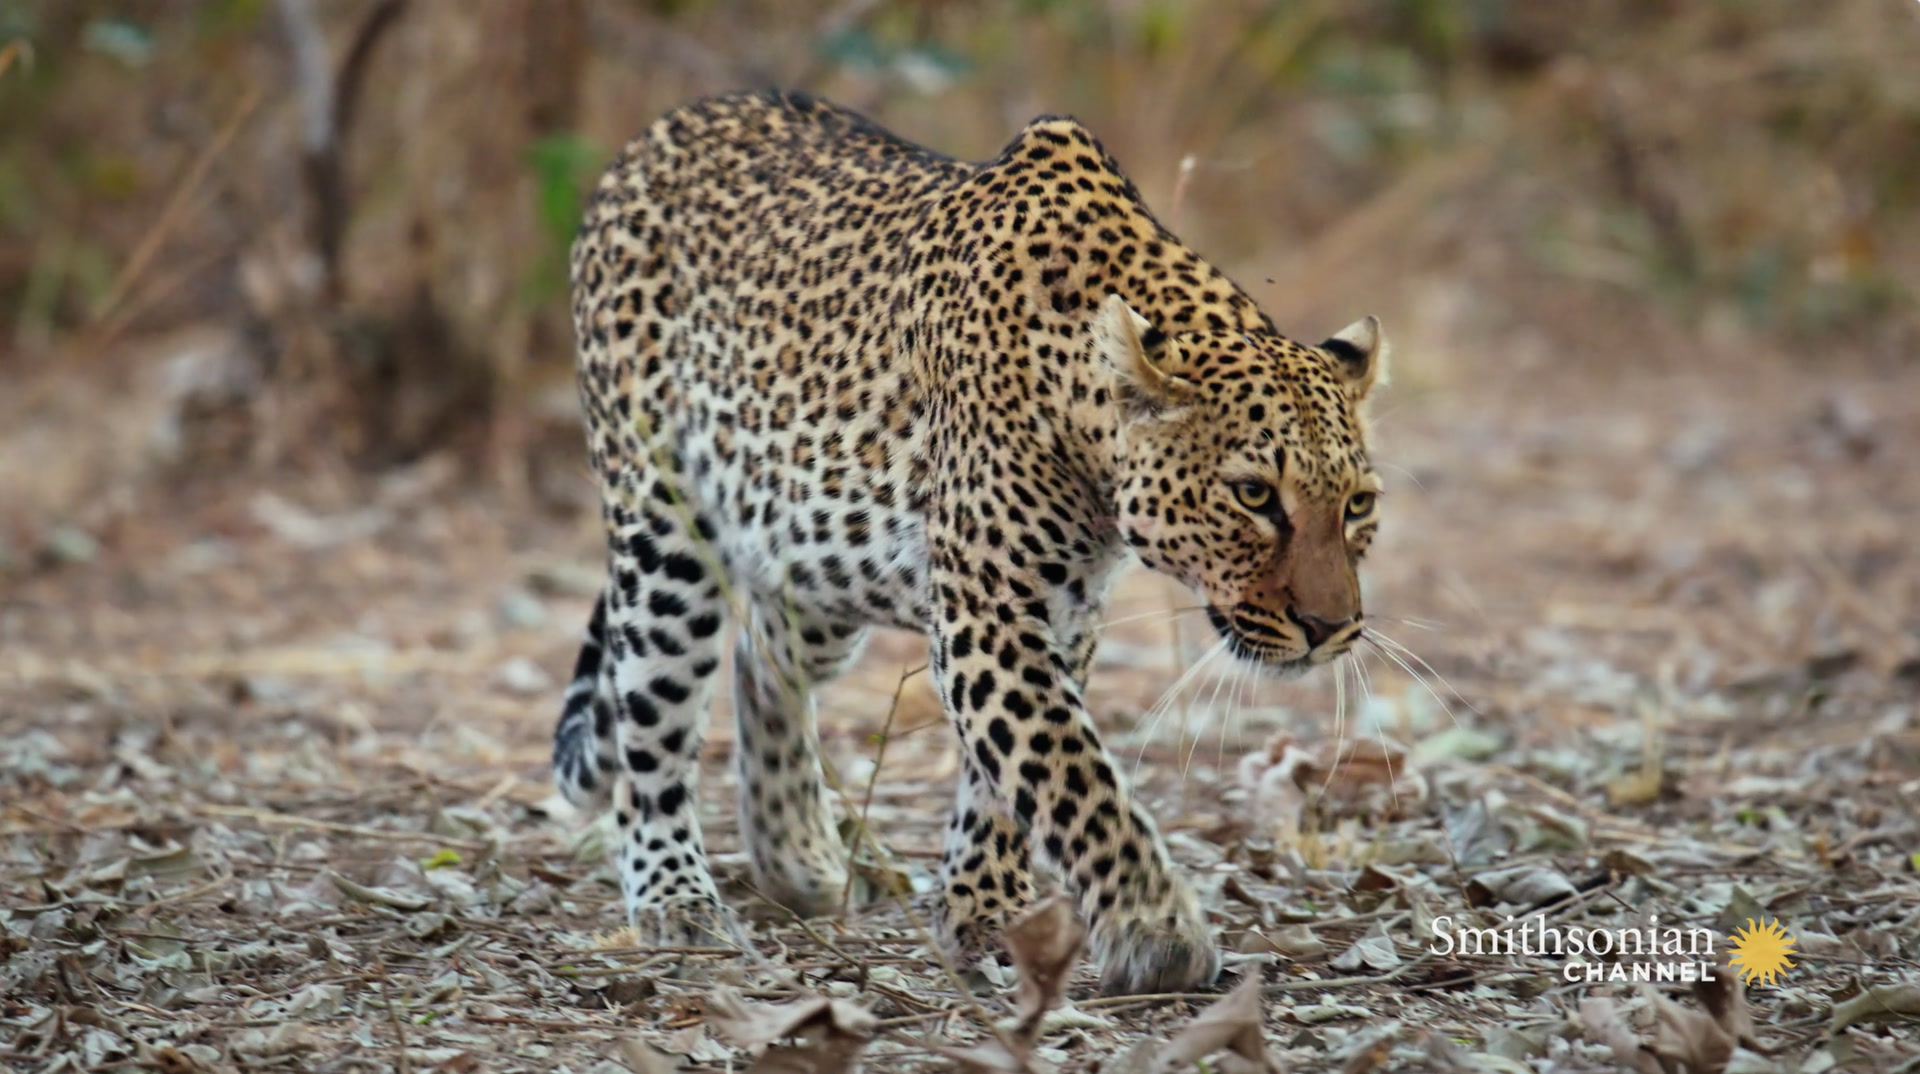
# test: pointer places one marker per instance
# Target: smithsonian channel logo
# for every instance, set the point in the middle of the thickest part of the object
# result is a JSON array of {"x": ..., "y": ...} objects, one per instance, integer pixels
[{"x": 1758, "y": 953}]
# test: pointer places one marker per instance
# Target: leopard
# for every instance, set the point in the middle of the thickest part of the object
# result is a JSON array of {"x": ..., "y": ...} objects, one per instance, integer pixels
[{"x": 834, "y": 381}]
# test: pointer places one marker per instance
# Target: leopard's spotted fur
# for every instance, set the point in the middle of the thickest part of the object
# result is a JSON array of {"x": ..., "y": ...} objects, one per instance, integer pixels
[{"x": 832, "y": 380}]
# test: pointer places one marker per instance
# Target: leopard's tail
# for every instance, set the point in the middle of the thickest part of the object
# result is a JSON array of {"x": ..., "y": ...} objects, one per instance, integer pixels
[{"x": 583, "y": 746}]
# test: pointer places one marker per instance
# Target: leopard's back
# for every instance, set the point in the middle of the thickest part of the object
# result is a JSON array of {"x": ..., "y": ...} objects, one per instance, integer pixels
[{"x": 737, "y": 282}]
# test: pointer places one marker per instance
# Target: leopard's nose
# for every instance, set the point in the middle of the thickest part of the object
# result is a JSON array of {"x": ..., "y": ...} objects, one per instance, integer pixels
[{"x": 1317, "y": 630}]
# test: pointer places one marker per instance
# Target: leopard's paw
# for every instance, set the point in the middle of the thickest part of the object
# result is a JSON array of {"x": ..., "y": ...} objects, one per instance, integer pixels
[
  {"x": 1165, "y": 946},
  {"x": 813, "y": 887},
  {"x": 689, "y": 921}
]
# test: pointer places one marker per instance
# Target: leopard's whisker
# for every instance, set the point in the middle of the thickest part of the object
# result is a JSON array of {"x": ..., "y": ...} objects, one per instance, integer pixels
[
  {"x": 1407, "y": 620},
  {"x": 1170, "y": 613},
  {"x": 1409, "y": 473},
  {"x": 1382, "y": 639},
  {"x": 1414, "y": 674},
  {"x": 1363, "y": 678},
  {"x": 1339, "y": 723},
  {"x": 1243, "y": 675},
  {"x": 1159, "y": 710},
  {"x": 1380, "y": 732},
  {"x": 1213, "y": 709}
]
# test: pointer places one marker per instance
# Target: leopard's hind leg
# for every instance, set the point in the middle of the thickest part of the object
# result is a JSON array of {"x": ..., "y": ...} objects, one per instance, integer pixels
[
  {"x": 786, "y": 813},
  {"x": 666, "y": 617},
  {"x": 583, "y": 739}
]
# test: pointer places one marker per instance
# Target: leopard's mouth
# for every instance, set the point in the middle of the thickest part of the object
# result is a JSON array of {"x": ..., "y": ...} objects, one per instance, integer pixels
[{"x": 1252, "y": 641}]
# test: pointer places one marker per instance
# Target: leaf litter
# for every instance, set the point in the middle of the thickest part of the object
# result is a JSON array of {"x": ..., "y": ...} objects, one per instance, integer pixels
[{"x": 283, "y": 815}]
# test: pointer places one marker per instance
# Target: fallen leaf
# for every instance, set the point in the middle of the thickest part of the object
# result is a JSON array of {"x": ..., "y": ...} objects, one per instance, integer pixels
[
  {"x": 1296, "y": 942},
  {"x": 1458, "y": 743},
  {"x": 1522, "y": 885},
  {"x": 829, "y": 1055},
  {"x": 830, "y": 1033},
  {"x": 1687, "y": 1037},
  {"x": 168, "y": 1060},
  {"x": 1045, "y": 944},
  {"x": 442, "y": 858},
  {"x": 1556, "y": 830},
  {"x": 644, "y": 1059},
  {"x": 1374, "y": 878},
  {"x": 991, "y": 1057},
  {"x": 692, "y": 1041},
  {"x": 1374, "y": 951},
  {"x": 1315, "y": 1014},
  {"x": 399, "y": 900},
  {"x": 1473, "y": 836},
  {"x": 1233, "y": 1023},
  {"x": 884, "y": 879},
  {"x": 1725, "y": 999},
  {"x": 1638, "y": 787},
  {"x": 1516, "y": 1043},
  {"x": 1887, "y": 1003},
  {"x": 1624, "y": 862},
  {"x": 1371, "y": 1051},
  {"x": 1601, "y": 1020}
]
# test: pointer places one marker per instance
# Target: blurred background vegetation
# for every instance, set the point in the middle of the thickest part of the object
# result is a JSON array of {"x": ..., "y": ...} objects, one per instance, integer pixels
[{"x": 327, "y": 237}]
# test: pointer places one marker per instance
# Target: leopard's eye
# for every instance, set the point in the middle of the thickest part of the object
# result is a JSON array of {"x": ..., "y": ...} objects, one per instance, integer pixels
[
  {"x": 1255, "y": 496},
  {"x": 1360, "y": 505}
]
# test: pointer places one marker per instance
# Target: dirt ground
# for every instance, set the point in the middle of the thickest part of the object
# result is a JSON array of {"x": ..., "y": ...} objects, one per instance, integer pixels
[{"x": 273, "y": 788}]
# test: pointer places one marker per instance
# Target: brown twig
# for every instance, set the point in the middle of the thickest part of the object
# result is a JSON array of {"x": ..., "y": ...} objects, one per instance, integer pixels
[
  {"x": 213, "y": 885},
  {"x": 176, "y": 206},
  {"x": 393, "y": 1014},
  {"x": 267, "y": 818},
  {"x": 873, "y": 777}
]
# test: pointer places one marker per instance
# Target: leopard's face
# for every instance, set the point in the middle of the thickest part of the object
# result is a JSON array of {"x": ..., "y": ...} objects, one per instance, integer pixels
[{"x": 1244, "y": 474}]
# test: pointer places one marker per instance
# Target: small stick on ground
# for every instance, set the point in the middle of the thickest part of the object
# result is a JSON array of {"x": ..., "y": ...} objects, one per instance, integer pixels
[{"x": 269, "y": 819}]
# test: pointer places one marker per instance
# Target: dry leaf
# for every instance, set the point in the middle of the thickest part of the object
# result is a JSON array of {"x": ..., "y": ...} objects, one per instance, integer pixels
[
  {"x": 644, "y": 1059},
  {"x": 399, "y": 900},
  {"x": 832, "y": 1054},
  {"x": 1625, "y": 862},
  {"x": 1725, "y": 998},
  {"x": 830, "y": 1033},
  {"x": 1687, "y": 1037},
  {"x": 1522, "y": 885},
  {"x": 1371, "y": 1052},
  {"x": 1603, "y": 1024},
  {"x": 1270, "y": 776},
  {"x": 1045, "y": 944},
  {"x": 1638, "y": 787},
  {"x": 1374, "y": 951},
  {"x": 1232, "y": 1023},
  {"x": 754, "y": 1024},
  {"x": 1296, "y": 942},
  {"x": 991, "y": 1057},
  {"x": 1473, "y": 835},
  {"x": 1886, "y": 1003},
  {"x": 1138, "y": 1059},
  {"x": 694, "y": 1043},
  {"x": 1373, "y": 878}
]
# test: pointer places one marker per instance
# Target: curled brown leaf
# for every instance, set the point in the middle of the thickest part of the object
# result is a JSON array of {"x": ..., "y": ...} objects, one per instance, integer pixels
[
  {"x": 1233, "y": 1023},
  {"x": 1045, "y": 944}
]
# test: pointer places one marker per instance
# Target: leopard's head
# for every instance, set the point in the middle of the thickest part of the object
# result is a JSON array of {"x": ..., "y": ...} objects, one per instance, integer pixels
[{"x": 1243, "y": 473}]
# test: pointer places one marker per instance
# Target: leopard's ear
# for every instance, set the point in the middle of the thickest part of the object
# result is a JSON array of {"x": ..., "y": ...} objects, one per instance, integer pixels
[
  {"x": 1138, "y": 353},
  {"x": 1359, "y": 352}
]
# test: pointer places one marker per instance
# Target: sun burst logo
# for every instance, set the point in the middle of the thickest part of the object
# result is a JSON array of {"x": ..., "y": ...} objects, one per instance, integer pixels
[{"x": 1760, "y": 951}]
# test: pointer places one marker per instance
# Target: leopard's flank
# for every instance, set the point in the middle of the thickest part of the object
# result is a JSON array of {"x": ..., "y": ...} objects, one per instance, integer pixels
[{"x": 834, "y": 380}]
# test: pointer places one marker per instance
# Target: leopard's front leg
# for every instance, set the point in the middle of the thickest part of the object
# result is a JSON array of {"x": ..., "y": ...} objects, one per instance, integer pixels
[{"x": 1008, "y": 684}]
